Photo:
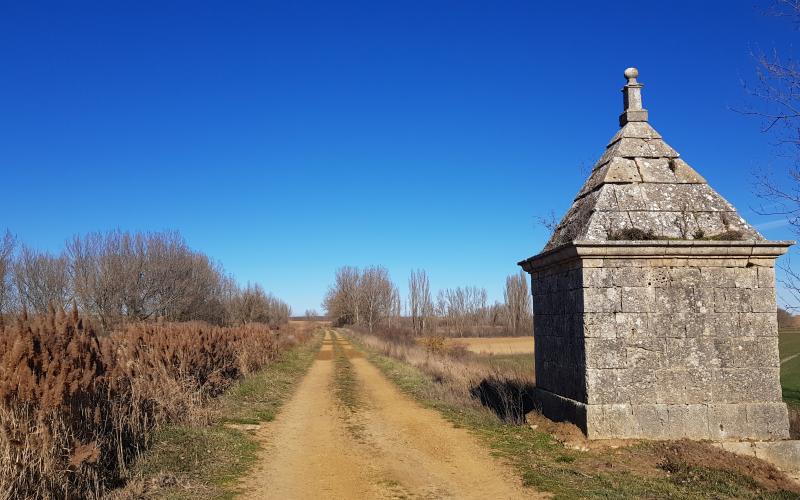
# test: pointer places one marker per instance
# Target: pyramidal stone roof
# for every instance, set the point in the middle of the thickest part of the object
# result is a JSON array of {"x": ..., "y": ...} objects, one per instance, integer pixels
[{"x": 641, "y": 189}]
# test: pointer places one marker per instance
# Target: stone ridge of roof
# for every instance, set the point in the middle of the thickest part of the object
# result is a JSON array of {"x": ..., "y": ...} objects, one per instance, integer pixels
[{"x": 640, "y": 183}]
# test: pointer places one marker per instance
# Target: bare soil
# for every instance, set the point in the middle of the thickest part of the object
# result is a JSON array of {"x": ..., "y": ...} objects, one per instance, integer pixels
[
  {"x": 659, "y": 457},
  {"x": 388, "y": 447}
]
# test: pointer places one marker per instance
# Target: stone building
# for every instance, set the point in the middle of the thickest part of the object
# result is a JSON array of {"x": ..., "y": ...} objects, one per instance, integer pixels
[{"x": 654, "y": 302}]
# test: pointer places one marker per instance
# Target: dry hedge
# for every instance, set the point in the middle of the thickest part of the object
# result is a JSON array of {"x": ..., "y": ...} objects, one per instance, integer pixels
[{"x": 75, "y": 408}]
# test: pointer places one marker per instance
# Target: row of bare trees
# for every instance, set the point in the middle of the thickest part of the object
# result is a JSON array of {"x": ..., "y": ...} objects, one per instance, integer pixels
[
  {"x": 362, "y": 297},
  {"x": 370, "y": 298},
  {"x": 121, "y": 276},
  {"x": 465, "y": 309},
  {"x": 462, "y": 307},
  {"x": 252, "y": 304}
]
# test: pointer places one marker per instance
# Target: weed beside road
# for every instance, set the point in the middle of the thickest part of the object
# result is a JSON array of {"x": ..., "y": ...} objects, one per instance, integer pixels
[
  {"x": 206, "y": 461},
  {"x": 346, "y": 386}
]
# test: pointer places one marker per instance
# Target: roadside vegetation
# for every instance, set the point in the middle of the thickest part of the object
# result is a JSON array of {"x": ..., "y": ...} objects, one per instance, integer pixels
[
  {"x": 155, "y": 332},
  {"x": 206, "y": 460},
  {"x": 493, "y": 401},
  {"x": 76, "y": 409},
  {"x": 346, "y": 387}
]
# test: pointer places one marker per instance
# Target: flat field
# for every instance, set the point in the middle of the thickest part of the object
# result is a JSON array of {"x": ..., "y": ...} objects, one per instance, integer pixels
[
  {"x": 790, "y": 365},
  {"x": 495, "y": 345}
]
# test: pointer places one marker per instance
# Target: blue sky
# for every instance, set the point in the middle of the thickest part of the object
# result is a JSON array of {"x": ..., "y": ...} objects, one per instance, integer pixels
[{"x": 286, "y": 139}]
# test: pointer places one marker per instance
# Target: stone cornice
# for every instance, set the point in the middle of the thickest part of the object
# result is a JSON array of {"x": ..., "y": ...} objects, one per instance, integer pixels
[{"x": 654, "y": 249}]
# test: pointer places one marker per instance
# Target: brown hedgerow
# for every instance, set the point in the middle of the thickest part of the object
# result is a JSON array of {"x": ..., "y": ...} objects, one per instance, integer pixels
[{"x": 75, "y": 409}]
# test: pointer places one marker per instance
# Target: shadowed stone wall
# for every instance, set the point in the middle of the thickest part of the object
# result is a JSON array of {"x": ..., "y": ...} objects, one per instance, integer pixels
[{"x": 559, "y": 346}]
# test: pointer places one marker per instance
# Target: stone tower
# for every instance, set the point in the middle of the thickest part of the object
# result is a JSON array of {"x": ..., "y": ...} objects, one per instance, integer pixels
[{"x": 654, "y": 302}]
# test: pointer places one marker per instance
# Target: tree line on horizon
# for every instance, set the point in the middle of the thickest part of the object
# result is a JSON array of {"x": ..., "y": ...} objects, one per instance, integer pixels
[
  {"x": 117, "y": 276},
  {"x": 369, "y": 298}
]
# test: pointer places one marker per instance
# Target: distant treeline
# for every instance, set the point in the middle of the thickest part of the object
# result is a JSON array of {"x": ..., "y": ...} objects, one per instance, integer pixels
[
  {"x": 116, "y": 277},
  {"x": 369, "y": 298}
]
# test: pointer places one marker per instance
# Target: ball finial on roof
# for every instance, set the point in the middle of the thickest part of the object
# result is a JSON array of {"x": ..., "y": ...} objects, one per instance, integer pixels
[{"x": 632, "y": 99}]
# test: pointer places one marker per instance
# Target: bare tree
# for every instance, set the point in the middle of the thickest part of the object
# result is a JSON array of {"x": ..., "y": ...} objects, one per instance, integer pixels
[
  {"x": 777, "y": 103},
  {"x": 7, "y": 244},
  {"x": 117, "y": 276},
  {"x": 419, "y": 300},
  {"x": 342, "y": 299},
  {"x": 253, "y": 305},
  {"x": 140, "y": 276},
  {"x": 549, "y": 221},
  {"x": 462, "y": 307},
  {"x": 518, "y": 304},
  {"x": 97, "y": 266},
  {"x": 378, "y": 296},
  {"x": 42, "y": 280},
  {"x": 395, "y": 311},
  {"x": 362, "y": 298}
]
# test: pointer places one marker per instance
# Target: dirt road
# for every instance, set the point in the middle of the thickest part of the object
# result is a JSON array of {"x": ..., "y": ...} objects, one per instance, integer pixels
[{"x": 389, "y": 447}]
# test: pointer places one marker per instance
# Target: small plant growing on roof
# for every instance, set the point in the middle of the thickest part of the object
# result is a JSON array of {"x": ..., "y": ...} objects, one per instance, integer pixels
[{"x": 632, "y": 234}]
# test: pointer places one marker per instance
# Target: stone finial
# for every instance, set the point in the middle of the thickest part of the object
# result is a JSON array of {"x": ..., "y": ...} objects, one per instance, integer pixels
[{"x": 632, "y": 99}]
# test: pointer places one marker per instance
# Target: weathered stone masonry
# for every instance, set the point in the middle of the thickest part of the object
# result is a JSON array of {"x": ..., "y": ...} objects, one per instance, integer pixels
[{"x": 674, "y": 336}]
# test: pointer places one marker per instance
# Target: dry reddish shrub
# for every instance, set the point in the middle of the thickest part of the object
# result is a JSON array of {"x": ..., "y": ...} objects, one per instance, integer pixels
[
  {"x": 54, "y": 409},
  {"x": 433, "y": 344},
  {"x": 74, "y": 410}
]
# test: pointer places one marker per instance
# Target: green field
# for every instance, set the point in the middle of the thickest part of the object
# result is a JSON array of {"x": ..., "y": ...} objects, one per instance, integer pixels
[{"x": 790, "y": 370}]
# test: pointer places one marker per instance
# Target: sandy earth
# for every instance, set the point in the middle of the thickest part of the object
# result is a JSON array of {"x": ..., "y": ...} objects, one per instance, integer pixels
[
  {"x": 497, "y": 345},
  {"x": 390, "y": 447}
]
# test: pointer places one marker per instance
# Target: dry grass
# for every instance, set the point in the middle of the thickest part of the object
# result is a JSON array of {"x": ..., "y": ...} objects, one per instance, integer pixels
[
  {"x": 463, "y": 378},
  {"x": 76, "y": 409},
  {"x": 496, "y": 345},
  {"x": 207, "y": 461}
]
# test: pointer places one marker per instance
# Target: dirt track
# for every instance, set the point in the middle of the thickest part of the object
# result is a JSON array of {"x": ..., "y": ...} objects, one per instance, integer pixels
[{"x": 390, "y": 447}]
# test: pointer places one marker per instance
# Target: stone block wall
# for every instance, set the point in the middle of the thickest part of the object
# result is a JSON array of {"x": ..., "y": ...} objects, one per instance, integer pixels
[
  {"x": 654, "y": 347},
  {"x": 558, "y": 343}
]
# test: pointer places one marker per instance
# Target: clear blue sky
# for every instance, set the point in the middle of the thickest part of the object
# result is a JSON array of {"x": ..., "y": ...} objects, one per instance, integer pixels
[{"x": 286, "y": 139}]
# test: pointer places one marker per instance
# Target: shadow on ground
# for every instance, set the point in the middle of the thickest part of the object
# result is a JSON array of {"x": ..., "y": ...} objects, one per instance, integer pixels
[{"x": 510, "y": 400}]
